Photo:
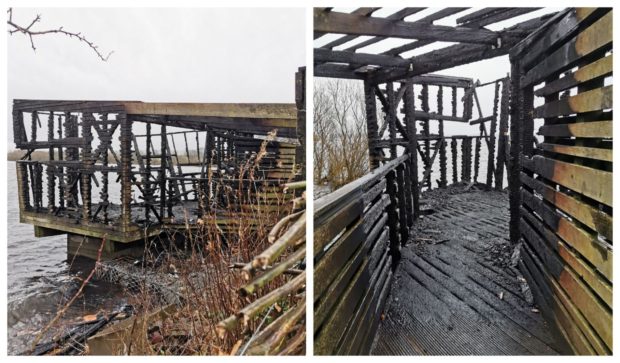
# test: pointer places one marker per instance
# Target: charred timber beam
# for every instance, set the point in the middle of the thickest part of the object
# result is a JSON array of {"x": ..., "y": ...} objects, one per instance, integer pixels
[
  {"x": 339, "y": 56},
  {"x": 491, "y": 155},
  {"x": 372, "y": 126},
  {"x": 502, "y": 144},
  {"x": 125, "y": 139},
  {"x": 335, "y": 22},
  {"x": 460, "y": 54},
  {"x": 367, "y": 11},
  {"x": 516, "y": 140},
  {"x": 399, "y": 15},
  {"x": 491, "y": 15},
  {"x": 410, "y": 120}
]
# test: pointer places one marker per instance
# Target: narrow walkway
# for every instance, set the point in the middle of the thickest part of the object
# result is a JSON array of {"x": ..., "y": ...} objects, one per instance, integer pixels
[{"x": 455, "y": 292}]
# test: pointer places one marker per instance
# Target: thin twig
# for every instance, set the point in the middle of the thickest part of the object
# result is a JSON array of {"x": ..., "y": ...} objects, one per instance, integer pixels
[{"x": 27, "y": 30}]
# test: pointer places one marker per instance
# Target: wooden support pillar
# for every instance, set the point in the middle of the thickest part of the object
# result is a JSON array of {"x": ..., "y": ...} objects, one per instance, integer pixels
[
  {"x": 51, "y": 176},
  {"x": 60, "y": 170},
  {"x": 402, "y": 203},
  {"x": 443, "y": 177},
  {"x": 477, "y": 148},
  {"x": 300, "y": 102},
  {"x": 408, "y": 194},
  {"x": 23, "y": 190},
  {"x": 162, "y": 172},
  {"x": 71, "y": 131},
  {"x": 426, "y": 132},
  {"x": 502, "y": 144},
  {"x": 466, "y": 159},
  {"x": 454, "y": 104},
  {"x": 453, "y": 148},
  {"x": 409, "y": 102},
  {"x": 390, "y": 114},
  {"x": 393, "y": 219},
  {"x": 85, "y": 186},
  {"x": 125, "y": 138},
  {"x": 492, "y": 131},
  {"x": 516, "y": 137},
  {"x": 148, "y": 198},
  {"x": 372, "y": 126}
]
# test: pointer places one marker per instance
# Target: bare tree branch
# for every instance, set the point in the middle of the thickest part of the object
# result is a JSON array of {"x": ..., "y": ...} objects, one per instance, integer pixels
[{"x": 27, "y": 30}]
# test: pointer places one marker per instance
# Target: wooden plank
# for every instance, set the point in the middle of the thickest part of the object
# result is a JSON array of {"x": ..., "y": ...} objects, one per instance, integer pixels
[
  {"x": 459, "y": 54},
  {"x": 584, "y": 213},
  {"x": 598, "y": 36},
  {"x": 347, "y": 38},
  {"x": 587, "y": 244},
  {"x": 243, "y": 110},
  {"x": 564, "y": 310},
  {"x": 327, "y": 338},
  {"x": 551, "y": 36},
  {"x": 399, "y": 15},
  {"x": 435, "y": 116},
  {"x": 594, "y": 100},
  {"x": 563, "y": 258},
  {"x": 342, "y": 23},
  {"x": 600, "y": 68},
  {"x": 494, "y": 17},
  {"x": 576, "y": 177},
  {"x": 580, "y": 151},
  {"x": 358, "y": 59},
  {"x": 324, "y": 232},
  {"x": 358, "y": 320},
  {"x": 591, "y": 129}
]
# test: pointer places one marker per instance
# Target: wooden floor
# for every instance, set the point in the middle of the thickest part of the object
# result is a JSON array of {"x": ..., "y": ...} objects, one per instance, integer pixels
[{"x": 455, "y": 292}]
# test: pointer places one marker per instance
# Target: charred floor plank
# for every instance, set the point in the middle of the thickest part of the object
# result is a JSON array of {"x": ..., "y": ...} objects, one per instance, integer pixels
[{"x": 455, "y": 290}]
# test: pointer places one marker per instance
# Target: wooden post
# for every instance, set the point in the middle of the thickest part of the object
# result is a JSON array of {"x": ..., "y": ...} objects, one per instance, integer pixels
[
  {"x": 408, "y": 194},
  {"x": 502, "y": 144},
  {"x": 51, "y": 177},
  {"x": 443, "y": 178},
  {"x": 453, "y": 148},
  {"x": 390, "y": 112},
  {"x": 300, "y": 101},
  {"x": 409, "y": 99},
  {"x": 61, "y": 189},
  {"x": 125, "y": 138},
  {"x": 516, "y": 137},
  {"x": 393, "y": 216},
  {"x": 148, "y": 198},
  {"x": 372, "y": 128},
  {"x": 85, "y": 186},
  {"x": 402, "y": 204},
  {"x": 491, "y": 157},
  {"x": 162, "y": 171},
  {"x": 426, "y": 132}
]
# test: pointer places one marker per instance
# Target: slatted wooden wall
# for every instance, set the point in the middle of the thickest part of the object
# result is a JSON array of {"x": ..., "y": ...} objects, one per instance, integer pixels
[
  {"x": 358, "y": 231},
  {"x": 564, "y": 200}
]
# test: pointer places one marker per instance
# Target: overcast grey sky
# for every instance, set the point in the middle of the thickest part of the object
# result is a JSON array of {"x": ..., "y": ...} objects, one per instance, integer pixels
[
  {"x": 487, "y": 70},
  {"x": 160, "y": 55}
]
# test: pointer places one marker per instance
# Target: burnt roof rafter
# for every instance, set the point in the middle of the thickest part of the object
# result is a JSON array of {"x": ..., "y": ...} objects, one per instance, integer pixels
[
  {"x": 351, "y": 24},
  {"x": 474, "y": 41}
]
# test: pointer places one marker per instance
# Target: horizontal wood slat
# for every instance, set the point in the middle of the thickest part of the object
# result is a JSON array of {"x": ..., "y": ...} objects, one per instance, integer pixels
[
  {"x": 594, "y": 38},
  {"x": 593, "y": 130},
  {"x": 576, "y": 177}
]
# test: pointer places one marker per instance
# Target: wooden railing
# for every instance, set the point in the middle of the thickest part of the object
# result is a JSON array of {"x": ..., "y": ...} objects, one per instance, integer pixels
[{"x": 358, "y": 233}]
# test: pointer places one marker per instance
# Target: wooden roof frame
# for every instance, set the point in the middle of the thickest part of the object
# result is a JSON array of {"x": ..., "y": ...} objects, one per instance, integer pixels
[
  {"x": 475, "y": 41},
  {"x": 258, "y": 118}
]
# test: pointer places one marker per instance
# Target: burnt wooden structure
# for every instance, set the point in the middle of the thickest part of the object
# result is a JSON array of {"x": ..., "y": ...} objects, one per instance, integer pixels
[
  {"x": 127, "y": 170},
  {"x": 561, "y": 200},
  {"x": 560, "y": 215}
]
